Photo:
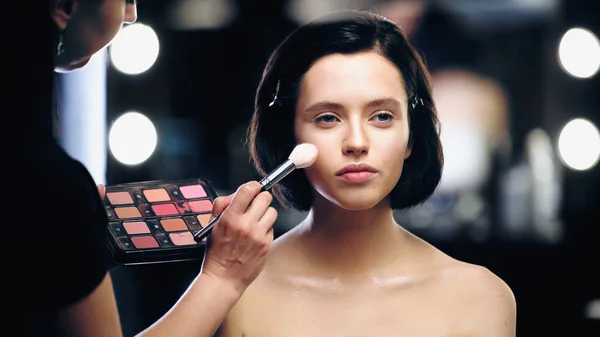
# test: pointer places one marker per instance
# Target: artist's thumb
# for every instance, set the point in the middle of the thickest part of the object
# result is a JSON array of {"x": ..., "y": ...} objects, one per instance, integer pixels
[
  {"x": 220, "y": 205},
  {"x": 101, "y": 191}
]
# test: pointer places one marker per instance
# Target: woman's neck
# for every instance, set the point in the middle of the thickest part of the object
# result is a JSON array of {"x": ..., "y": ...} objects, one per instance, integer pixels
[{"x": 339, "y": 242}]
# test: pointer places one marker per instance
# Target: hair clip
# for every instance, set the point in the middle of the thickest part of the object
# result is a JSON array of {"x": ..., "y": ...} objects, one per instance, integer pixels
[
  {"x": 416, "y": 101},
  {"x": 275, "y": 101}
]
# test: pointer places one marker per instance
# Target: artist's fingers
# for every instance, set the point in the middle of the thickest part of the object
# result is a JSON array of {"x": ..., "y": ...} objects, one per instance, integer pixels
[
  {"x": 102, "y": 191},
  {"x": 270, "y": 235},
  {"x": 220, "y": 205},
  {"x": 268, "y": 220},
  {"x": 243, "y": 197},
  {"x": 259, "y": 205}
]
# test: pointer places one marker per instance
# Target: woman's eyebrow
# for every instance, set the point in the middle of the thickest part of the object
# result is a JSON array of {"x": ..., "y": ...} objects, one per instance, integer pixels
[{"x": 329, "y": 105}]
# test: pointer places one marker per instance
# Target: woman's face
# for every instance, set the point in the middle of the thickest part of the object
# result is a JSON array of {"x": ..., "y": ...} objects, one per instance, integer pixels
[
  {"x": 354, "y": 109},
  {"x": 88, "y": 26}
]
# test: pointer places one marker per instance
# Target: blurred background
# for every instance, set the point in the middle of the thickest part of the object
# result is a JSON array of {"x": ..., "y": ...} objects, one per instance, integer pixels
[{"x": 517, "y": 87}]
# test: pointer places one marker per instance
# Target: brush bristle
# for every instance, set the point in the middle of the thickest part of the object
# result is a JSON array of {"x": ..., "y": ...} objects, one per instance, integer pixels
[{"x": 304, "y": 155}]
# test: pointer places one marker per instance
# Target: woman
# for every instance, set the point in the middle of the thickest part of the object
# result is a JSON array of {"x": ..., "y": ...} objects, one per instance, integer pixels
[
  {"x": 351, "y": 84},
  {"x": 55, "y": 280}
]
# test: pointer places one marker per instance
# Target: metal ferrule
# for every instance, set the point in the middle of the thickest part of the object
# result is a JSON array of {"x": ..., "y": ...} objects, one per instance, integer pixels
[{"x": 279, "y": 173}]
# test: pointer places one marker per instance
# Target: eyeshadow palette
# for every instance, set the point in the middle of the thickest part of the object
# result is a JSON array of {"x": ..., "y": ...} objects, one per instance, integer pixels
[{"x": 154, "y": 221}]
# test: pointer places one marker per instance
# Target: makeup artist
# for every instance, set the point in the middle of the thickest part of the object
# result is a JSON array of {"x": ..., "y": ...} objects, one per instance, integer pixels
[{"x": 55, "y": 279}]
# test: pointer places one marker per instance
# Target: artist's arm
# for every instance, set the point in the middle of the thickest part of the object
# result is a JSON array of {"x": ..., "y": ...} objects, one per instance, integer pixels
[
  {"x": 237, "y": 253},
  {"x": 200, "y": 310},
  {"x": 240, "y": 244},
  {"x": 73, "y": 293},
  {"x": 95, "y": 315}
]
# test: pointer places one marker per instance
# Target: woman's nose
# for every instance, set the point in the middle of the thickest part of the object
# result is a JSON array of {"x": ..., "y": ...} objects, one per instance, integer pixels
[{"x": 357, "y": 141}]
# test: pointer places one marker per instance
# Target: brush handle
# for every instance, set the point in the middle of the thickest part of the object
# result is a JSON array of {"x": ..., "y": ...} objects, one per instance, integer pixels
[
  {"x": 204, "y": 232},
  {"x": 267, "y": 182},
  {"x": 277, "y": 174}
]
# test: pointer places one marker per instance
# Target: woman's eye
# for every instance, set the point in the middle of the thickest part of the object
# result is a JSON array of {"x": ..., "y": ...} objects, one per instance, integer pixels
[
  {"x": 326, "y": 119},
  {"x": 383, "y": 117}
]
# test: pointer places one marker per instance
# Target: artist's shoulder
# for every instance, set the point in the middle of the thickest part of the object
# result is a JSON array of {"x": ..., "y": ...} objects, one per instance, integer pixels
[{"x": 485, "y": 300}]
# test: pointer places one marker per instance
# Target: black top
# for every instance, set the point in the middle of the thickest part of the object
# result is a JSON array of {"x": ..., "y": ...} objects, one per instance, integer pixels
[{"x": 53, "y": 252}]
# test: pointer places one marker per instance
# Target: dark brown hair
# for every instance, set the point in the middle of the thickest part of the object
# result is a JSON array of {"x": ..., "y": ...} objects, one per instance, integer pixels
[{"x": 271, "y": 133}]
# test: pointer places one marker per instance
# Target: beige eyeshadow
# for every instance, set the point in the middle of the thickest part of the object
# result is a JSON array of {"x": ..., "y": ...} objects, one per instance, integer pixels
[
  {"x": 182, "y": 239},
  {"x": 138, "y": 227},
  {"x": 119, "y": 198},
  {"x": 203, "y": 219},
  {"x": 156, "y": 195},
  {"x": 127, "y": 212},
  {"x": 171, "y": 225}
]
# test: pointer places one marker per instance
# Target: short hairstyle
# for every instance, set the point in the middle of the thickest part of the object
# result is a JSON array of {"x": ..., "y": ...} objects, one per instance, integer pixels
[{"x": 271, "y": 136}]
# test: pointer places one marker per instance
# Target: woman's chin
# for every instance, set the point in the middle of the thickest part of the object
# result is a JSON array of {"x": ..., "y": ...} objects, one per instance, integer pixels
[{"x": 356, "y": 204}]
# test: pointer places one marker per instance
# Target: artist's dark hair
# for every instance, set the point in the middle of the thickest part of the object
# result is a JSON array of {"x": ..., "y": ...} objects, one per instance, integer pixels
[
  {"x": 29, "y": 69},
  {"x": 271, "y": 133}
]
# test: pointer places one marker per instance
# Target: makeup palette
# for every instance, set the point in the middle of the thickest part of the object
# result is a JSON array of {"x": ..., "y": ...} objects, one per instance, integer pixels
[{"x": 154, "y": 221}]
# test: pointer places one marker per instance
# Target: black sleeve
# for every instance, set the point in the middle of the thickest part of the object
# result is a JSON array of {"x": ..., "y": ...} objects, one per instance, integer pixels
[{"x": 56, "y": 252}]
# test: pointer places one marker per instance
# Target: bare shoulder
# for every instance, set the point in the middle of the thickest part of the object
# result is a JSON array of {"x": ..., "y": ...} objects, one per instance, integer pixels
[
  {"x": 468, "y": 279},
  {"x": 476, "y": 278},
  {"x": 486, "y": 302},
  {"x": 471, "y": 280}
]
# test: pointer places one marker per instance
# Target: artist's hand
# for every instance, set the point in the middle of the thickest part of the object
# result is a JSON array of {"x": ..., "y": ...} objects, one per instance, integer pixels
[{"x": 240, "y": 241}]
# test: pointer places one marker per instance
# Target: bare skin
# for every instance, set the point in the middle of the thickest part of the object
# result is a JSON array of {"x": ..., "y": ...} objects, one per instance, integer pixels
[
  {"x": 428, "y": 294},
  {"x": 349, "y": 269}
]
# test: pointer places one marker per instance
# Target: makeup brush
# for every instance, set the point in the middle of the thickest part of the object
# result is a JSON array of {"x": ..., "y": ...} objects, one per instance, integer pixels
[{"x": 303, "y": 156}]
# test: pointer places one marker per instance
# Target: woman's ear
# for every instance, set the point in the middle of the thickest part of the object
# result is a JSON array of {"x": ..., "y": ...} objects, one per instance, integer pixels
[{"x": 61, "y": 11}]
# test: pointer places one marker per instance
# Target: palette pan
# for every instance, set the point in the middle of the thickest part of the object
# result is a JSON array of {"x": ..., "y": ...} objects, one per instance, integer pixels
[{"x": 154, "y": 221}]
